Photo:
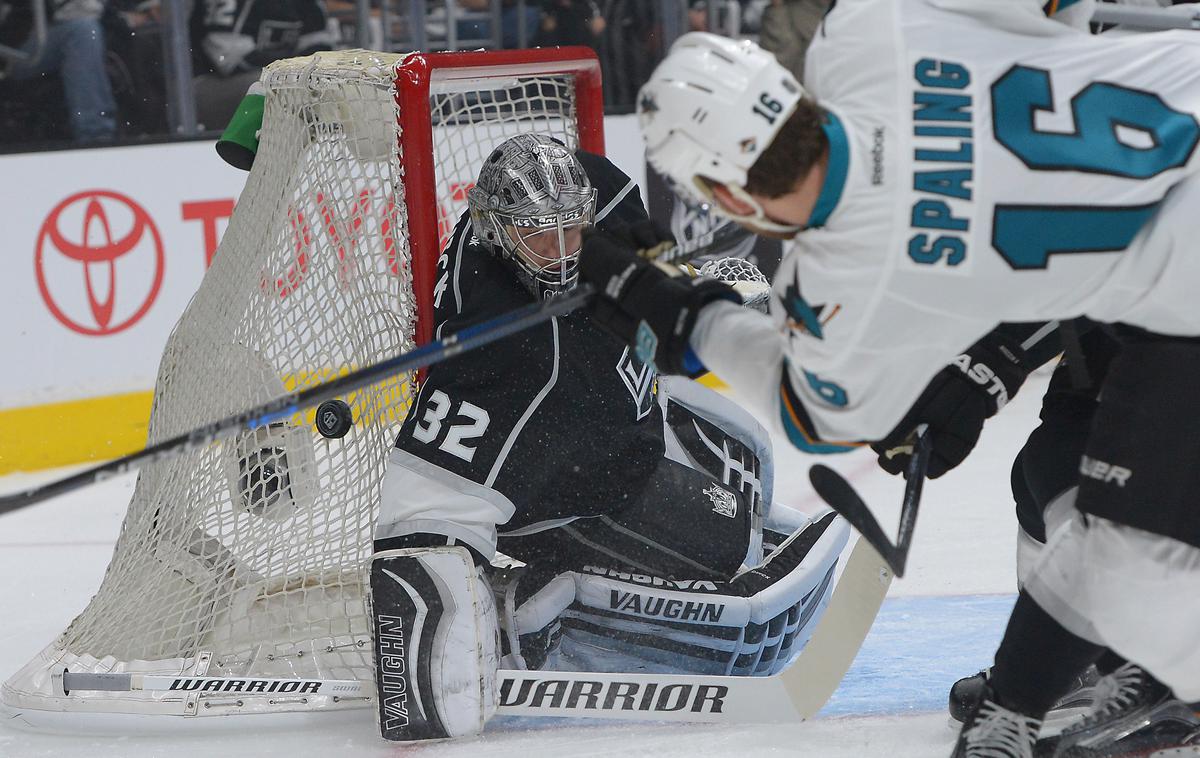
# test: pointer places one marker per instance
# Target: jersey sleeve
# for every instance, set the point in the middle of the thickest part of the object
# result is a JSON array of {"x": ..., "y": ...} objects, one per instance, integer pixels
[
  {"x": 823, "y": 401},
  {"x": 1023, "y": 16}
]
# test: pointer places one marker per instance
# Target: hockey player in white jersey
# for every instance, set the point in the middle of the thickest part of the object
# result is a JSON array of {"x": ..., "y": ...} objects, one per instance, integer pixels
[
  {"x": 643, "y": 515},
  {"x": 953, "y": 164}
]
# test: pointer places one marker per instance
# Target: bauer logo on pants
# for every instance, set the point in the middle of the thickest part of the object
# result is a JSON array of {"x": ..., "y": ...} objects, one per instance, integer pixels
[{"x": 99, "y": 262}]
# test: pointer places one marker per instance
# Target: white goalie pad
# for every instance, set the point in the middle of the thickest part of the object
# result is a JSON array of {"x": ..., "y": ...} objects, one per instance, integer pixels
[
  {"x": 753, "y": 625},
  {"x": 436, "y": 643}
]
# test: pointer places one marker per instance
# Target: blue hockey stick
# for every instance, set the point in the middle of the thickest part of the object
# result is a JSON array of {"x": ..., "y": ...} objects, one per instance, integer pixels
[
  {"x": 285, "y": 406},
  {"x": 435, "y": 352}
]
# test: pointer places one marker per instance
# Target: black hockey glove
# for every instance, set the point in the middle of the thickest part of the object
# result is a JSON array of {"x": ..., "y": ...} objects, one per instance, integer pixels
[
  {"x": 652, "y": 307},
  {"x": 957, "y": 401}
]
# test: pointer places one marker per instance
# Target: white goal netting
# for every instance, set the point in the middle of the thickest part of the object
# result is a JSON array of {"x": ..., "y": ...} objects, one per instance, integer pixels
[{"x": 244, "y": 559}]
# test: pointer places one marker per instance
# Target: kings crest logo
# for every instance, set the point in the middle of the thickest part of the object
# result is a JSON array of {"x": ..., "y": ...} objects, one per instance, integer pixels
[
  {"x": 723, "y": 501},
  {"x": 639, "y": 380}
]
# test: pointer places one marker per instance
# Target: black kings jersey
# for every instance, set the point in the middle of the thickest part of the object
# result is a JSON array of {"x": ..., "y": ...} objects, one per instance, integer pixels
[{"x": 560, "y": 419}]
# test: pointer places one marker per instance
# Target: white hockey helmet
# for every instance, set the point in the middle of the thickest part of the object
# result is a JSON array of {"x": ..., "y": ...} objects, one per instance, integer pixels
[{"x": 709, "y": 110}]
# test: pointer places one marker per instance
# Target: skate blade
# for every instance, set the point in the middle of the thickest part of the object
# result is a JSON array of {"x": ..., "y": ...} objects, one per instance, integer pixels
[{"x": 1059, "y": 719}]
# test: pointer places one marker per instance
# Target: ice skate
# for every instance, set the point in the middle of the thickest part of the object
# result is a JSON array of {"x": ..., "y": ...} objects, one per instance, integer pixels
[
  {"x": 1133, "y": 715},
  {"x": 993, "y": 731},
  {"x": 966, "y": 693}
]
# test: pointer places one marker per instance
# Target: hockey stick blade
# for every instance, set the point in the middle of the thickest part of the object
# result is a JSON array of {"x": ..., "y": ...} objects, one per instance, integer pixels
[
  {"x": 284, "y": 407},
  {"x": 795, "y": 694},
  {"x": 837, "y": 492},
  {"x": 716, "y": 241}
]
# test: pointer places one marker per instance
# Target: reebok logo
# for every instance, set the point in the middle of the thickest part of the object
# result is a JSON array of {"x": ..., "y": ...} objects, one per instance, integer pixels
[
  {"x": 1104, "y": 471},
  {"x": 877, "y": 156}
]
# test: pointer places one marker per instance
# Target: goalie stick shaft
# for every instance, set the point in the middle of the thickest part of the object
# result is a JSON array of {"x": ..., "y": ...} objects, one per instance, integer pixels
[
  {"x": 796, "y": 694},
  {"x": 287, "y": 405}
]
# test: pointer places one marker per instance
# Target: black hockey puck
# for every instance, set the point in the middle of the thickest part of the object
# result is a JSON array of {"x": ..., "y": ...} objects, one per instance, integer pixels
[{"x": 334, "y": 419}]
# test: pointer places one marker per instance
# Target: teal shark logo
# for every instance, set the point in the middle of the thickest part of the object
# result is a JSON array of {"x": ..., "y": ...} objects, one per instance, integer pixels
[{"x": 801, "y": 315}]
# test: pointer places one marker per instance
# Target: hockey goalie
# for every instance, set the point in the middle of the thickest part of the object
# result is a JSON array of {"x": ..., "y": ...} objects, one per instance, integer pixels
[{"x": 551, "y": 503}]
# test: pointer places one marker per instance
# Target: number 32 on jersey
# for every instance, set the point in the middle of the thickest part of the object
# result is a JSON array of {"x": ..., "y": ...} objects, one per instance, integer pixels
[{"x": 458, "y": 433}]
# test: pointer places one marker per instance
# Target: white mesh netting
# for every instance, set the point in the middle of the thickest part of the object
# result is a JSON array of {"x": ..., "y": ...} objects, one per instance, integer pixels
[
  {"x": 244, "y": 559},
  {"x": 744, "y": 277}
]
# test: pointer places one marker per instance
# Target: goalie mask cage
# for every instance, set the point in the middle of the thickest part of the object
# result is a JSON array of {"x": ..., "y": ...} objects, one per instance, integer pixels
[{"x": 245, "y": 559}]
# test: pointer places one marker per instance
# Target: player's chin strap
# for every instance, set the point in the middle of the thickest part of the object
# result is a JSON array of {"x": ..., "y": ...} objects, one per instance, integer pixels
[{"x": 758, "y": 219}]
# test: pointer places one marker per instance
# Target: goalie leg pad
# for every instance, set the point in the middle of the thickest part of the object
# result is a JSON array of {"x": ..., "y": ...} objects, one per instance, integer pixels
[
  {"x": 753, "y": 625},
  {"x": 435, "y": 642}
]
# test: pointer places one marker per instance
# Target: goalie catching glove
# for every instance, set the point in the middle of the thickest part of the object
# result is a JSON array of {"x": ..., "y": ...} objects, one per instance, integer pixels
[
  {"x": 651, "y": 306},
  {"x": 964, "y": 394}
]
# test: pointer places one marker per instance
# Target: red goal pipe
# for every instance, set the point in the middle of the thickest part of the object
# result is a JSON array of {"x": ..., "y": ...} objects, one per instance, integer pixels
[{"x": 413, "y": 77}]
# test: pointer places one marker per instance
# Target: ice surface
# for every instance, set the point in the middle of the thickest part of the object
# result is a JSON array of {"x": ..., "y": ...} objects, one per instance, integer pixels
[{"x": 939, "y": 623}]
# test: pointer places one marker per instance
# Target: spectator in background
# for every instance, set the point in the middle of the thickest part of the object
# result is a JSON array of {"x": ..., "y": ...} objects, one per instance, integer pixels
[
  {"x": 511, "y": 21},
  {"x": 788, "y": 27},
  {"x": 233, "y": 39},
  {"x": 74, "y": 49},
  {"x": 571, "y": 22}
]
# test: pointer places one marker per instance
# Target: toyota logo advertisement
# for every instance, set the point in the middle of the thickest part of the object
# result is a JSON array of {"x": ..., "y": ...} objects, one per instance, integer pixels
[
  {"x": 102, "y": 251},
  {"x": 99, "y": 262}
]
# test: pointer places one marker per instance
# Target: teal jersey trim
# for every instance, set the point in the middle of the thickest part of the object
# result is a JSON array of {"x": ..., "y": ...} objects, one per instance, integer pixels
[
  {"x": 1050, "y": 8},
  {"x": 835, "y": 175}
]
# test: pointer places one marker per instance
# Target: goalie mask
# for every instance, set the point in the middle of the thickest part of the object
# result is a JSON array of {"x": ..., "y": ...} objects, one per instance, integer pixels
[
  {"x": 531, "y": 204},
  {"x": 709, "y": 111}
]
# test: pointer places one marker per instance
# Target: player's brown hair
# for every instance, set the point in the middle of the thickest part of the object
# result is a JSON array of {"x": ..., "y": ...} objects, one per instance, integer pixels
[{"x": 797, "y": 147}]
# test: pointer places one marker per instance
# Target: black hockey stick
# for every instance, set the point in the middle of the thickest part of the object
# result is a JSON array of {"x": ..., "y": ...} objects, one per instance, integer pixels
[
  {"x": 285, "y": 406},
  {"x": 838, "y": 493}
]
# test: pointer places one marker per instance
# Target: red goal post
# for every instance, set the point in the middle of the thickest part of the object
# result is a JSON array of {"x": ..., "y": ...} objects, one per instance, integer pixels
[{"x": 417, "y": 76}]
